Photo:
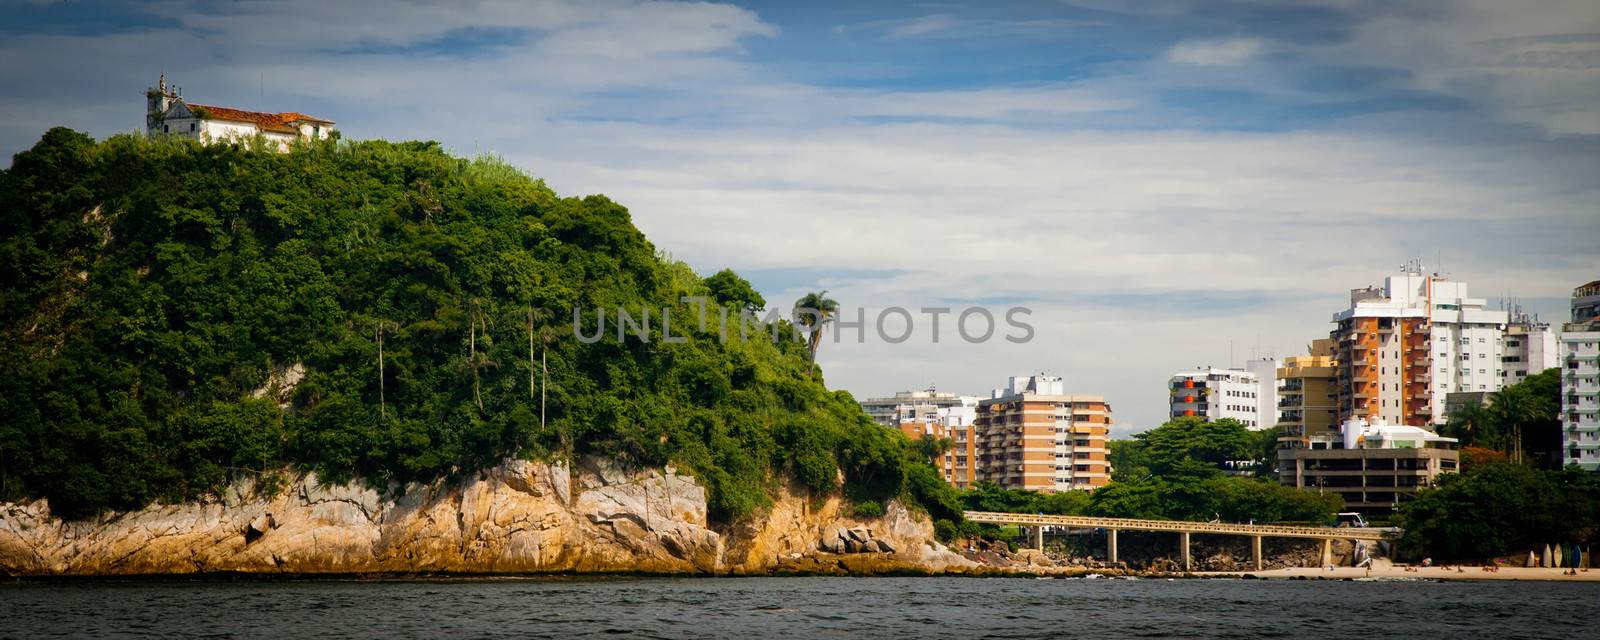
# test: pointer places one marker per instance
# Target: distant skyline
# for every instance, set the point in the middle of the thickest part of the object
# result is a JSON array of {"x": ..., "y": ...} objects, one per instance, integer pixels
[{"x": 1156, "y": 180}]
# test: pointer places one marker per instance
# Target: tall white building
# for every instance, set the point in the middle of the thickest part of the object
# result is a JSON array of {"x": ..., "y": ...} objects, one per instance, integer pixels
[
  {"x": 1268, "y": 384},
  {"x": 1403, "y": 347},
  {"x": 1530, "y": 347},
  {"x": 1580, "y": 379},
  {"x": 1214, "y": 394}
]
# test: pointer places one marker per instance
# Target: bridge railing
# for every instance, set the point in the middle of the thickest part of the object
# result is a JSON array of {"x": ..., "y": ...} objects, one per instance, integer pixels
[{"x": 1135, "y": 524}]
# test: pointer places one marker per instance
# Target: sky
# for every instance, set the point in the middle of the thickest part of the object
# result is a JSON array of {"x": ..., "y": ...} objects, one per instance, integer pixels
[{"x": 1164, "y": 184}]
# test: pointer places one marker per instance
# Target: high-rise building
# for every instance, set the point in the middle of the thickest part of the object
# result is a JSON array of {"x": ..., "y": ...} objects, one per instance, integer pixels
[
  {"x": 1580, "y": 379},
  {"x": 1404, "y": 347},
  {"x": 1530, "y": 347},
  {"x": 1214, "y": 394},
  {"x": 1033, "y": 435},
  {"x": 1307, "y": 399},
  {"x": 1267, "y": 383}
]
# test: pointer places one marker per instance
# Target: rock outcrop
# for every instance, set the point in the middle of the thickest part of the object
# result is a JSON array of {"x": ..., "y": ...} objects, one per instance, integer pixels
[{"x": 519, "y": 517}]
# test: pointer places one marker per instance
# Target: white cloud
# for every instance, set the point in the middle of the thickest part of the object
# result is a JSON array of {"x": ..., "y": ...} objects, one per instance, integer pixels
[
  {"x": 923, "y": 26},
  {"x": 1535, "y": 63},
  {"x": 1215, "y": 53}
]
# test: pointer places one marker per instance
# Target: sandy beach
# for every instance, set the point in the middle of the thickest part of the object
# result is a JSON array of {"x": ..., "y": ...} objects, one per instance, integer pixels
[{"x": 1387, "y": 571}]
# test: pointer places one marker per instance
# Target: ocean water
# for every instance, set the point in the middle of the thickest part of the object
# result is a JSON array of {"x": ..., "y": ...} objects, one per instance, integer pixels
[{"x": 798, "y": 608}]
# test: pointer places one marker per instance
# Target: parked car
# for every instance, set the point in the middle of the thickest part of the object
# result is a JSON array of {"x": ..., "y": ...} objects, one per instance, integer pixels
[{"x": 1350, "y": 519}]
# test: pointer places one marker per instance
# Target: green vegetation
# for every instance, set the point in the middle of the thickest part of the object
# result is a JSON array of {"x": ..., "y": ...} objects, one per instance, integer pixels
[
  {"x": 987, "y": 496},
  {"x": 1495, "y": 508},
  {"x": 1177, "y": 471},
  {"x": 158, "y": 299},
  {"x": 1522, "y": 420},
  {"x": 728, "y": 289}
]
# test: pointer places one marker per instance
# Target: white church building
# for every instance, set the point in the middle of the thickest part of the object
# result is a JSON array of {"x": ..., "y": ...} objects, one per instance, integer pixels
[{"x": 167, "y": 113}]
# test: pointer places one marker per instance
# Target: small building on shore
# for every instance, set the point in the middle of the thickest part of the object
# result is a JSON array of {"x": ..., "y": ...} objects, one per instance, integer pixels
[{"x": 1374, "y": 467}]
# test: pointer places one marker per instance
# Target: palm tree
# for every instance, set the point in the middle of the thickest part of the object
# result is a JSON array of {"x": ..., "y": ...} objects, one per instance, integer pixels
[{"x": 820, "y": 310}]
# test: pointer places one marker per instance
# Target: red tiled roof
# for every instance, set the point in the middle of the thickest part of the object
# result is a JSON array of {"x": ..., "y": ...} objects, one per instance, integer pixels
[{"x": 277, "y": 122}]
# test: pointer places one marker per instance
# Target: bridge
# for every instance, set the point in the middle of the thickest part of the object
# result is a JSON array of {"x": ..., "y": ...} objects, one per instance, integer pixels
[{"x": 1183, "y": 528}]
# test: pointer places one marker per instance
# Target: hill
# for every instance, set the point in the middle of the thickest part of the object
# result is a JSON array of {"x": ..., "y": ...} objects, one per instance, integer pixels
[{"x": 173, "y": 315}]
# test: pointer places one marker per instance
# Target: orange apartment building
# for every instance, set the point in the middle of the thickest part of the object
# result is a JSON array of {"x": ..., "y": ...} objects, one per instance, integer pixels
[
  {"x": 1034, "y": 436},
  {"x": 959, "y": 465},
  {"x": 1382, "y": 370}
]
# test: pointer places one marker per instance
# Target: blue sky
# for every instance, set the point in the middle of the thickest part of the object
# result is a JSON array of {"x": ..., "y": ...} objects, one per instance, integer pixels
[{"x": 1157, "y": 180}]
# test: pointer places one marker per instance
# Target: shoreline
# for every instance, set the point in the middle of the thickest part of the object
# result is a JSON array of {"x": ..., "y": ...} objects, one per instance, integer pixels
[
  {"x": 1400, "y": 572},
  {"x": 1345, "y": 574}
]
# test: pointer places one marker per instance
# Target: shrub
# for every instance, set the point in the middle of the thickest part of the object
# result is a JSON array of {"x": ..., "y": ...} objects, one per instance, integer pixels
[{"x": 867, "y": 509}]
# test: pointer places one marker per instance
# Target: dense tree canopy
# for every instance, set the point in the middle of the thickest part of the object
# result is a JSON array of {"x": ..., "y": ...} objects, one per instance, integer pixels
[
  {"x": 1523, "y": 420},
  {"x": 161, "y": 300},
  {"x": 728, "y": 288},
  {"x": 1495, "y": 508},
  {"x": 1179, "y": 470}
]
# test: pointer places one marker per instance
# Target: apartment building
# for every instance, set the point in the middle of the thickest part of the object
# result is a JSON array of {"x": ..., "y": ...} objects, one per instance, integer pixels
[
  {"x": 1033, "y": 435},
  {"x": 1580, "y": 379},
  {"x": 1214, "y": 394},
  {"x": 1402, "y": 348},
  {"x": 1530, "y": 347},
  {"x": 1308, "y": 399},
  {"x": 1373, "y": 466},
  {"x": 959, "y": 465},
  {"x": 914, "y": 405}
]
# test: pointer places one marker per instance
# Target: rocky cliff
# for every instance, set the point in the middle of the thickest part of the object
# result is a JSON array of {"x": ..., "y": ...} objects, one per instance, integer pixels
[{"x": 519, "y": 517}]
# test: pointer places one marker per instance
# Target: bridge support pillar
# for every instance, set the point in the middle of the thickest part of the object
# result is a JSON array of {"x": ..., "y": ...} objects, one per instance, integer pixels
[
  {"x": 1255, "y": 549},
  {"x": 1111, "y": 545},
  {"x": 1327, "y": 552},
  {"x": 1183, "y": 542},
  {"x": 1038, "y": 537}
]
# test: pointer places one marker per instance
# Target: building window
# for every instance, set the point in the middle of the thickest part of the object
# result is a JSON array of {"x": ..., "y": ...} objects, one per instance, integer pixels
[{"x": 191, "y": 127}]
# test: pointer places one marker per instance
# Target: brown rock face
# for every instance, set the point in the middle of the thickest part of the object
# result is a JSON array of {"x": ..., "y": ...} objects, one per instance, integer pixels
[{"x": 519, "y": 517}]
